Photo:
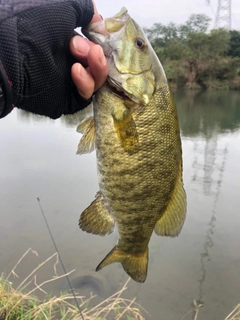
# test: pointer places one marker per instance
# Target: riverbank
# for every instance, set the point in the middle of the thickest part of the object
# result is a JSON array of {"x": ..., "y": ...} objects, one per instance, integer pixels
[
  {"x": 179, "y": 77},
  {"x": 210, "y": 85},
  {"x": 22, "y": 302},
  {"x": 17, "y": 305}
]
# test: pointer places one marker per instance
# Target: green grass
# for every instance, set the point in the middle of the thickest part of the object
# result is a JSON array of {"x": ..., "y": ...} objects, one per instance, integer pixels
[{"x": 21, "y": 303}]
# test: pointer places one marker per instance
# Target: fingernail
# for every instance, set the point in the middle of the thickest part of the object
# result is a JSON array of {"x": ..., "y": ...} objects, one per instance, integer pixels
[
  {"x": 79, "y": 45},
  {"x": 82, "y": 72},
  {"x": 75, "y": 43},
  {"x": 102, "y": 58}
]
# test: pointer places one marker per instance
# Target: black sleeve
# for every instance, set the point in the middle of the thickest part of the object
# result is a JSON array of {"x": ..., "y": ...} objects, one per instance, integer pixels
[{"x": 35, "y": 59}]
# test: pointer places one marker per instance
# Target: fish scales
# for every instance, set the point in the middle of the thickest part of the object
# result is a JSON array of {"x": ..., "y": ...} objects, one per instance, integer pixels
[
  {"x": 143, "y": 169},
  {"x": 138, "y": 149}
]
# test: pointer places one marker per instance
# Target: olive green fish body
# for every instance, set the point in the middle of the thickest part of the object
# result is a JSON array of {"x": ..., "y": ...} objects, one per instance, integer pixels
[
  {"x": 134, "y": 184},
  {"x": 138, "y": 147}
]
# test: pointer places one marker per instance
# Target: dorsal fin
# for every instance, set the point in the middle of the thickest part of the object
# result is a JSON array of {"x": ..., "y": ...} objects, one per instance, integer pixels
[{"x": 171, "y": 222}]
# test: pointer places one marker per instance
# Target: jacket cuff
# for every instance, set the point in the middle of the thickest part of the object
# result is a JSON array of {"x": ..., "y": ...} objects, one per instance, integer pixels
[{"x": 6, "y": 95}]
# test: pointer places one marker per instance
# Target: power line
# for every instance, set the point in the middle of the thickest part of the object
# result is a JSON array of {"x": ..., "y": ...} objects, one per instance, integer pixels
[
  {"x": 210, "y": 5},
  {"x": 223, "y": 17}
]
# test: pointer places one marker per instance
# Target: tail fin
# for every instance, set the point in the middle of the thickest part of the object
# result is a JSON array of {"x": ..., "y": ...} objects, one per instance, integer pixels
[{"x": 134, "y": 264}]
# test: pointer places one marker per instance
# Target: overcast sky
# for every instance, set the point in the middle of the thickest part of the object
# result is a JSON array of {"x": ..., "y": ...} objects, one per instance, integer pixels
[{"x": 147, "y": 12}]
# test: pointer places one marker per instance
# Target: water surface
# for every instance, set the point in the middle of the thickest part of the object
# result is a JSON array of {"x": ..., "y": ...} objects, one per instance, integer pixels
[{"x": 37, "y": 159}]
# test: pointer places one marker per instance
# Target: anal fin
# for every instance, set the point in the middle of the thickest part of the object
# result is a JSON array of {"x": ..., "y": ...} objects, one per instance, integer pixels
[
  {"x": 96, "y": 219},
  {"x": 171, "y": 222}
]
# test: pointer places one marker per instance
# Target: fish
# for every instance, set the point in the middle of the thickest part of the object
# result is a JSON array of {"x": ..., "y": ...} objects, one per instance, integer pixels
[{"x": 135, "y": 131}]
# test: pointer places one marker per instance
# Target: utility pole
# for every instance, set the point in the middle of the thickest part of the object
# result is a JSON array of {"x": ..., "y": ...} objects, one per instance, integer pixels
[{"x": 223, "y": 15}]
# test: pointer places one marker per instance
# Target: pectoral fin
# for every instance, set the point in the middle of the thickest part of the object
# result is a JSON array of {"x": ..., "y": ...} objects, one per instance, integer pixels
[
  {"x": 84, "y": 124},
  {"x": 171, "y": 222},
  {"x": 86, "y": 144},
  {"x": 134, "y": 264},
  {"x": 126, "y": 129},
  {"x": 96, "y": 219}
]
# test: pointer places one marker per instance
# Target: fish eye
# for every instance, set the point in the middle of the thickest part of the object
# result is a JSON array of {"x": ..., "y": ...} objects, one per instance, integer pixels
[{"x": 140, "y": 43}]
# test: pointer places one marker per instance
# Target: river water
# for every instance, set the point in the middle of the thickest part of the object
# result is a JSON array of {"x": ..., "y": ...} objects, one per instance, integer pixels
[{"x": 37, "y": 159}]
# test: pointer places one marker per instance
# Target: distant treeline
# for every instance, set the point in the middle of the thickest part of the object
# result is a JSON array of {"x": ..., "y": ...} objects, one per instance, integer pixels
[{"x": 195, "y": 58}]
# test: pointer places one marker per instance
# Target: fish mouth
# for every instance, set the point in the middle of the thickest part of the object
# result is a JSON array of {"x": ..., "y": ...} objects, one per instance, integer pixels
[
  {"x": 118, "y": 90},
  {"x": 120, "y": 93}
]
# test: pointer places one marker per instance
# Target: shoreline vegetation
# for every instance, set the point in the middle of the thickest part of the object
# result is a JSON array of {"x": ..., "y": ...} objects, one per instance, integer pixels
[
  {"x": 21, "y": 303},
  {"x": 195, "y": 58}
]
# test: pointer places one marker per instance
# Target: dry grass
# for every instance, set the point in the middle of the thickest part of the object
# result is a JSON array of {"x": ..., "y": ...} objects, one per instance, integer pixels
[
  {"x": 235, "y": 314},
  {"x": 21, "y": 304},
  {"x": 194, "y": 312}
]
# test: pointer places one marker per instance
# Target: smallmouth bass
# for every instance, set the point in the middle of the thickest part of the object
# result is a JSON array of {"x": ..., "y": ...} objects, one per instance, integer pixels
[{"x": 135, "y": 131}]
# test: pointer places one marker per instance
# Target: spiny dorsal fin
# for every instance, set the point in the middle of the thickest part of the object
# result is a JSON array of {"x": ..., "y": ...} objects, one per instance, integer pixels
[
  {"x": 125, "y": 129},
  {"x": 87, "y": 142},
  {"x": 96, "y": 219},
  {"x": 171, "y": 222},
  {"x": 135, "y": 265}
]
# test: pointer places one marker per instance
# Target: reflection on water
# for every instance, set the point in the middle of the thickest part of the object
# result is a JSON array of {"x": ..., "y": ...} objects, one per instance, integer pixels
[
  {"x": 210, "y": 154},
  {"x": 38, "y": 160},
  {"x": 200, "y": 113},
  {"x": 211, "y": 114},
  {"x": 208, "y": 113}
]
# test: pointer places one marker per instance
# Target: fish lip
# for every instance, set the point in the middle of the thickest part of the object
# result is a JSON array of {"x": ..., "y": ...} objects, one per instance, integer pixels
[
  {"x": 95, "y": 28},
  {"x": 96, "y": 32},
  {"x": 99, "y": 35},
  {"x": 99, "y": 29}
]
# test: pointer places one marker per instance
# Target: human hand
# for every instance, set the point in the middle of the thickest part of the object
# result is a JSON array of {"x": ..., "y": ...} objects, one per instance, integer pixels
[
  {"x": 35, "y": 59},
  {"x": 92, "y": 77},
  {"x": 90, "y": 74}
]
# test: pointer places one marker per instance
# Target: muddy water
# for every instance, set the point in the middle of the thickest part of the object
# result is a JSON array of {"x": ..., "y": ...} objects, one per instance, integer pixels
[{"x": 37, "y": 159}]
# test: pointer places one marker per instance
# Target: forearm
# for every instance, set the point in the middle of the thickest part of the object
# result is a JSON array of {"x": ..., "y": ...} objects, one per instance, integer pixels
[{"x": 35, "y": 57}]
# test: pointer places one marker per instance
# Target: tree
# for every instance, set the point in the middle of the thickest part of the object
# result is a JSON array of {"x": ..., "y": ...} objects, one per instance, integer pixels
[
  {"x": 162, "y": 33},
  {"x": 234, "y": 50},
  {"x": 199, "y": 45},
  {"x": 191, "y": 55},
  {"x": 197, "y": 23}
]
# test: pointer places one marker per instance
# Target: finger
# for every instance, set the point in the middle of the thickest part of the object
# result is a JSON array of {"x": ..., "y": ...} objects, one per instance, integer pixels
[
  {"x": 97, "y": 65},
  {"x": 83, "y": 80},
  {"x": 96, "y": 16},
  {"x": 79, "y": 48}
]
